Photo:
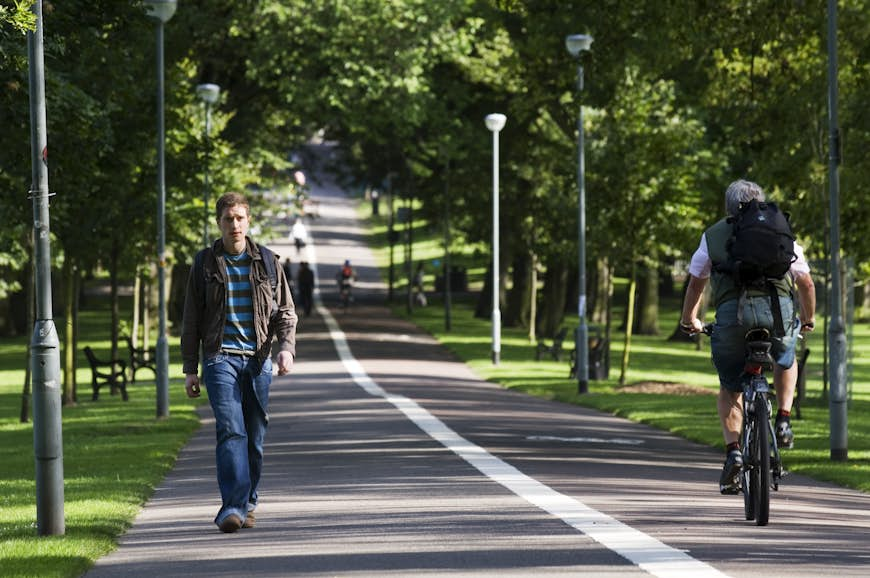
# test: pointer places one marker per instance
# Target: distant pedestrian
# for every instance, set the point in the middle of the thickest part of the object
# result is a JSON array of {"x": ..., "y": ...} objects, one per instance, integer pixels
[
  {"x": 305, "y": 281},
  {"x": 288, "y": 273},
  {"x": 299, "y": 234},
  {"x": 232, "y": 311},
  {"x": 419, "y": 292}
]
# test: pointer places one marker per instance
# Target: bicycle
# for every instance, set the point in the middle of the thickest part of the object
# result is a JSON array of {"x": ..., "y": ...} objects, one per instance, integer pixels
[
  {"x": 762, "y": 466},
  {"x": 344, "y": 293}
]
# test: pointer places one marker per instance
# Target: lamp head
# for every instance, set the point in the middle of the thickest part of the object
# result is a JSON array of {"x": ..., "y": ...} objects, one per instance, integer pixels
[
  {"x": 208, "y": 93},
  {"x": 495, "y": 122},
  {"x": 161, "y": 9},
  {"x": 577, "y": 43}
]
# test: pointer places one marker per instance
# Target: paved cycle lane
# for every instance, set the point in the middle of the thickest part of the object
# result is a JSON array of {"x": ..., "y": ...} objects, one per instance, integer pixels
[{"x": 360, "y": 478}]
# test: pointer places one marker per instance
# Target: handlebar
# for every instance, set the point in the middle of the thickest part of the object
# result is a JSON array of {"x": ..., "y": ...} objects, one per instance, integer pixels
[{"x": 708, "y": 331}]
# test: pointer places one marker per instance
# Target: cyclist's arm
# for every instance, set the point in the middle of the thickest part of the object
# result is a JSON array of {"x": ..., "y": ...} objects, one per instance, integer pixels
[
  {"x": 699, "y": 273},
  {"x": 806, "y": 300},
  {"x": 689, "y": 321}
]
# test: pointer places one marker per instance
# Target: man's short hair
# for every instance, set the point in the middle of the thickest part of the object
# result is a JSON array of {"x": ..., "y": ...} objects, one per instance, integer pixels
[
  {"x": 231, "y": 200},
  {"x": 741, "y": 191}
]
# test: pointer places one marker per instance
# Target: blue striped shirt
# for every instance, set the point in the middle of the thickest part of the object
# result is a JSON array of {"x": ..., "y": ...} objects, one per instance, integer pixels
[{"x": 239, "y": 335}]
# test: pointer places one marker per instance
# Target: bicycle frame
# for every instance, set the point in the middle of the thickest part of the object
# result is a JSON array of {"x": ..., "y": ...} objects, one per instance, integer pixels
[{"x": 762, "y": 468}]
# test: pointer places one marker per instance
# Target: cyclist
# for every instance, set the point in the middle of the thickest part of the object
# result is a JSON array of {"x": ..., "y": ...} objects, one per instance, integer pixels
[
  {"x": 727, "y": 341},
  {"x": 345, "y": 278}
]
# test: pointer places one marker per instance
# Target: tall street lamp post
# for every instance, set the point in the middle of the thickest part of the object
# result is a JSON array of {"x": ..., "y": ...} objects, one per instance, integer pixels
[
  {"x": 208, "y": 94},
  {"x": 162, "y": 11},
  {"x": 495, "y": 122},
  {"x": 44, "y": 345},
  {"x": 837, "y": 346},
  {"x": 576, "y": 45}
]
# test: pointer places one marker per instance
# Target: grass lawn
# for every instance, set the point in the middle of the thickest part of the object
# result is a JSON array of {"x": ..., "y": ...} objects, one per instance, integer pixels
[{"x": 114, "y": 454}]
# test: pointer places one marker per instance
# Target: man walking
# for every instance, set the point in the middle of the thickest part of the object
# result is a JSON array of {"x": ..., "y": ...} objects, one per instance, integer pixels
[
  {"x": 237, "y": 299},
  {"x": 305, "y": 279}
]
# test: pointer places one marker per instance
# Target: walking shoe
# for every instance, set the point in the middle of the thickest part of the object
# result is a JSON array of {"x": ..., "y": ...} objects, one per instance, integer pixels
[
  {"x": 250, "y": 521},
  {"x": 784, "y": 435},
  {"x": 729, "y": 481},
  {"x": 231, "y": 524}
]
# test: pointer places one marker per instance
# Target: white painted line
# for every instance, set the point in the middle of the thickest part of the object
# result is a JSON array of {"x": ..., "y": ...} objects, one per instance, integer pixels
[
  {"x": 640, "y": 549},
  {"x": 617, "y": 441}
]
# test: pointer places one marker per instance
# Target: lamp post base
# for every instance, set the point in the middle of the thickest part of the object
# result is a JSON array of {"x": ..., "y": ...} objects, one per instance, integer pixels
[{"x": 581, "y": 346}]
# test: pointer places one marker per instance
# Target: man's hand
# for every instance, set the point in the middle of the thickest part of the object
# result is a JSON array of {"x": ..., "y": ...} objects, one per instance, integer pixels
[
  {"x": 693, "y": 327},
  {"x": 191, "y": 385},
  {"x": 285, "y": 362}
]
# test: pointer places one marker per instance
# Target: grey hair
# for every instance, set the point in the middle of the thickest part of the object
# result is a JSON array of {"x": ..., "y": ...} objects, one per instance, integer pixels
[{"x": 741, "y": 191}]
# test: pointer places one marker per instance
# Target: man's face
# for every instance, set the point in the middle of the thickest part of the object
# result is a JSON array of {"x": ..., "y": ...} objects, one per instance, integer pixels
[{"x": 234, "y": 226}]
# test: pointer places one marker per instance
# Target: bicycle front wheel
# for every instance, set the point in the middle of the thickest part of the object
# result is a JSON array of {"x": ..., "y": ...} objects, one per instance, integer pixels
[{"x": 760, "y": 472}]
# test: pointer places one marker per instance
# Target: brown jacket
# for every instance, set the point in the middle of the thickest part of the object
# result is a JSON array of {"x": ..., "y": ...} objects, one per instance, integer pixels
[{"x": 205, "y": 308}]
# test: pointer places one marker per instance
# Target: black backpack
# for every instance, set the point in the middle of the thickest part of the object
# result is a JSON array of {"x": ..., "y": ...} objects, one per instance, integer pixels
[
  {"x": 761, "y": 245},
  {"x": 760, "y": 249}
]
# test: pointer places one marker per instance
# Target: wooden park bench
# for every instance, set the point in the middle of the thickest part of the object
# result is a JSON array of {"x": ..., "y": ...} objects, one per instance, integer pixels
[
  {"x": 112, "y": 373},
  {"x": 599, "y": 357},
  {"x": 554, "y": 350},
  {"x": 140, "y": 358}
]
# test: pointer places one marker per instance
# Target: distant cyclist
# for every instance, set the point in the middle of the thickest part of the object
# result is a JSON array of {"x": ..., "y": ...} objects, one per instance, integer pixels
[
  {"x": 738, "y": 311},
  {"x": 345, "y": 277}
]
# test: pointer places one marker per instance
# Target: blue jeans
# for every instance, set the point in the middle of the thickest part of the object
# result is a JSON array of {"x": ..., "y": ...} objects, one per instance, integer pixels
[
  {"x": 728, "y": 344},
  {"x": 238, "y": 390}
]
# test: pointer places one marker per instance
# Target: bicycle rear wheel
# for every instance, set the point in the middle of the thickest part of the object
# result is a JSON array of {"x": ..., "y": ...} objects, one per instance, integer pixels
[
  {"x": 760, "y": 473},
  {"x": 746, "y": 473}
]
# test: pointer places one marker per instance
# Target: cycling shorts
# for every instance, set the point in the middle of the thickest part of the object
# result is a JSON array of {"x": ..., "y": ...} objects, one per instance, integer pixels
[{"x": 728, "y": 343}]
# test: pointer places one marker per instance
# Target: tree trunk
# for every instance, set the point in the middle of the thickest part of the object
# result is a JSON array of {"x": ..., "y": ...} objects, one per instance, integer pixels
[
  {"x": 629, "y": 322},
  {"x": 137, "y": 304},
  {"x": 30, "y": 297},
  {"x": 647, "y": 322},
  {"x": 602, "y": 292},
  {"x": 69, "y": 351},
  {"x": 865, "y": 302},
  {"x": 115, "y": 309},
  {"x": 533, "y": 296},
  {"x": 116, "y": 316},
  {"x": 484, "y": 300},
  {"x": 517, "y": 299},
  {"x": 149, "y": 297},
  {"x": 554, "y": 297},
  {"x": 77, "y": 293}
]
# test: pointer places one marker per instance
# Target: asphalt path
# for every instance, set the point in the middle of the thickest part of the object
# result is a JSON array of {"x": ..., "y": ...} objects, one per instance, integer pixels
[{"x": 387, "y": 456}]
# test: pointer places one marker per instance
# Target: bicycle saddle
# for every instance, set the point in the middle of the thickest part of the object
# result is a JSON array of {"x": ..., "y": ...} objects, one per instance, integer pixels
[{"x": 758, "y": 348}]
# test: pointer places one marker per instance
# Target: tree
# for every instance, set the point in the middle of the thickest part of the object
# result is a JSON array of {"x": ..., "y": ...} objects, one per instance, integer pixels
[{"x": 650, "y": 198}]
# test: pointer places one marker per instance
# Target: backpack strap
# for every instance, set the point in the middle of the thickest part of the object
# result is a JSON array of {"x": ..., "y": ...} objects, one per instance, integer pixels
[{"x": 778, "y": 327}]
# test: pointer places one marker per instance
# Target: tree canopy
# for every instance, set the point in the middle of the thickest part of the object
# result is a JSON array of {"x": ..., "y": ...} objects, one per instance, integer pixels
[{"x": 681, "y": 98}]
